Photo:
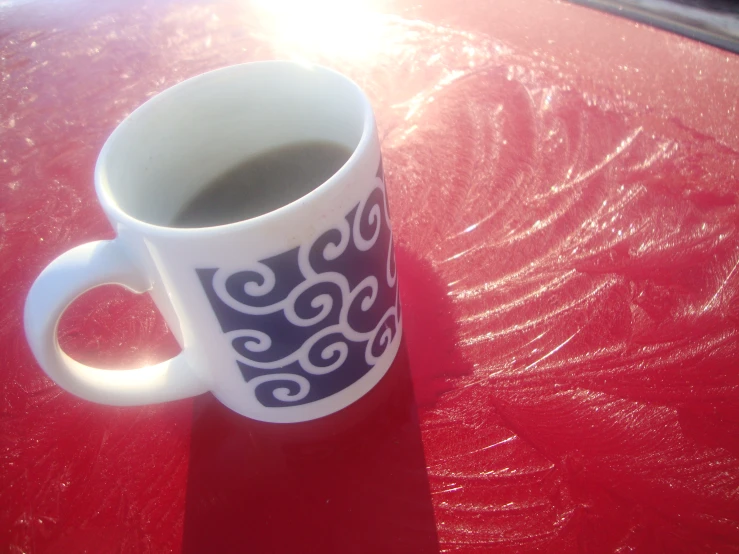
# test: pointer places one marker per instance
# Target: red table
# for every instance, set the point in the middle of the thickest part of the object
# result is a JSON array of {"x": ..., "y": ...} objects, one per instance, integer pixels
[{"x": 564, "y": 191}]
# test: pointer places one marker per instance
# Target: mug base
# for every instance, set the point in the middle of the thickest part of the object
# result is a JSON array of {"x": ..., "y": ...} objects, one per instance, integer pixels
[{"x": 325, "y": 406}]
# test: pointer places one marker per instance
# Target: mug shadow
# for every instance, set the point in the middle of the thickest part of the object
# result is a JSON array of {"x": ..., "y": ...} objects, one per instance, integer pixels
[{"x": 352, "y": 482}]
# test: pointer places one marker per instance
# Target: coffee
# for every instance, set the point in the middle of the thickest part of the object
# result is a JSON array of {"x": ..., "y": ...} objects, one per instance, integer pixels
[{"x": 263, "y": 183}]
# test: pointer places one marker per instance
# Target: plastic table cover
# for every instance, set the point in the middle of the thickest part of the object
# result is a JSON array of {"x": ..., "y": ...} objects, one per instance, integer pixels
[{"x": 563, "y": 186}]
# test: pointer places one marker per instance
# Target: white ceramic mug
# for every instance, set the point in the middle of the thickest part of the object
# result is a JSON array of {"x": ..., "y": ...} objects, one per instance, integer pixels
[{"x": 286, "y": 317}]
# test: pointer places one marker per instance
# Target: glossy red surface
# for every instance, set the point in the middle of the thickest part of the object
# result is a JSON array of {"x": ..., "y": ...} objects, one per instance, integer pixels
[{"x": 564, "y": 192}]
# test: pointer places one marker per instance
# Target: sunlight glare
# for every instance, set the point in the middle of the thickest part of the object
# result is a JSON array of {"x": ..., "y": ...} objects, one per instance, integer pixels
[{"x": 332, "y": 28}]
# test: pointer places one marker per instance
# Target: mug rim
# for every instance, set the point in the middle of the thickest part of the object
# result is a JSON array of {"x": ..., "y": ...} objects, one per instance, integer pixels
[{"x": 113, "y": 209}]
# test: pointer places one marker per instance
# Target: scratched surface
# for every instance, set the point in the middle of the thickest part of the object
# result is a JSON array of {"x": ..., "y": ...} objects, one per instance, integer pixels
[{"x": 564, "y": 187}]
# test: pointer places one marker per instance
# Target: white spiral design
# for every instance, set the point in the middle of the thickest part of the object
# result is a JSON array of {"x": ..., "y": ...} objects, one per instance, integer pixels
[
  {"x": 282, "y": 393},
  {"x": 251, "y": 288},
  {"x": 325, "y": 299},
  {"x": 339, "y": 347},
  {"x": 390, "y": 275},
  {"x": 332, "y": 251},
  {"x": 385, "y": 337},
  {"x": 254, "y": 340},
  {"x": 374, "y": 219}
]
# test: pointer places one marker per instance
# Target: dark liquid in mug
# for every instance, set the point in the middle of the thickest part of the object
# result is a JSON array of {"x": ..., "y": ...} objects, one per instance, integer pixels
[{"x": 263, "y": 183}]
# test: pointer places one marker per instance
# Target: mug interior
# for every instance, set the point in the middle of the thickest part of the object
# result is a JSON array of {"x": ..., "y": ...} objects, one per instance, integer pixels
[{"x": 167, "y": 150}]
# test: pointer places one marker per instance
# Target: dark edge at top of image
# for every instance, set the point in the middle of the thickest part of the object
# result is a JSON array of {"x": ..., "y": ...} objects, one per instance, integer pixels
[{"x": 714, "y": 22}]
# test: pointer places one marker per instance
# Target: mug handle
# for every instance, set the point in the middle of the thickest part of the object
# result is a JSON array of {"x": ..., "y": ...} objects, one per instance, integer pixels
[{"x": 74, "y": 272}]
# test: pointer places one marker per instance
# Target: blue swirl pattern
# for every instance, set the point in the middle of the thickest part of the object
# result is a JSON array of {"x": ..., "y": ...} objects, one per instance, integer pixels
[{"x": 307, "y": 323}]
